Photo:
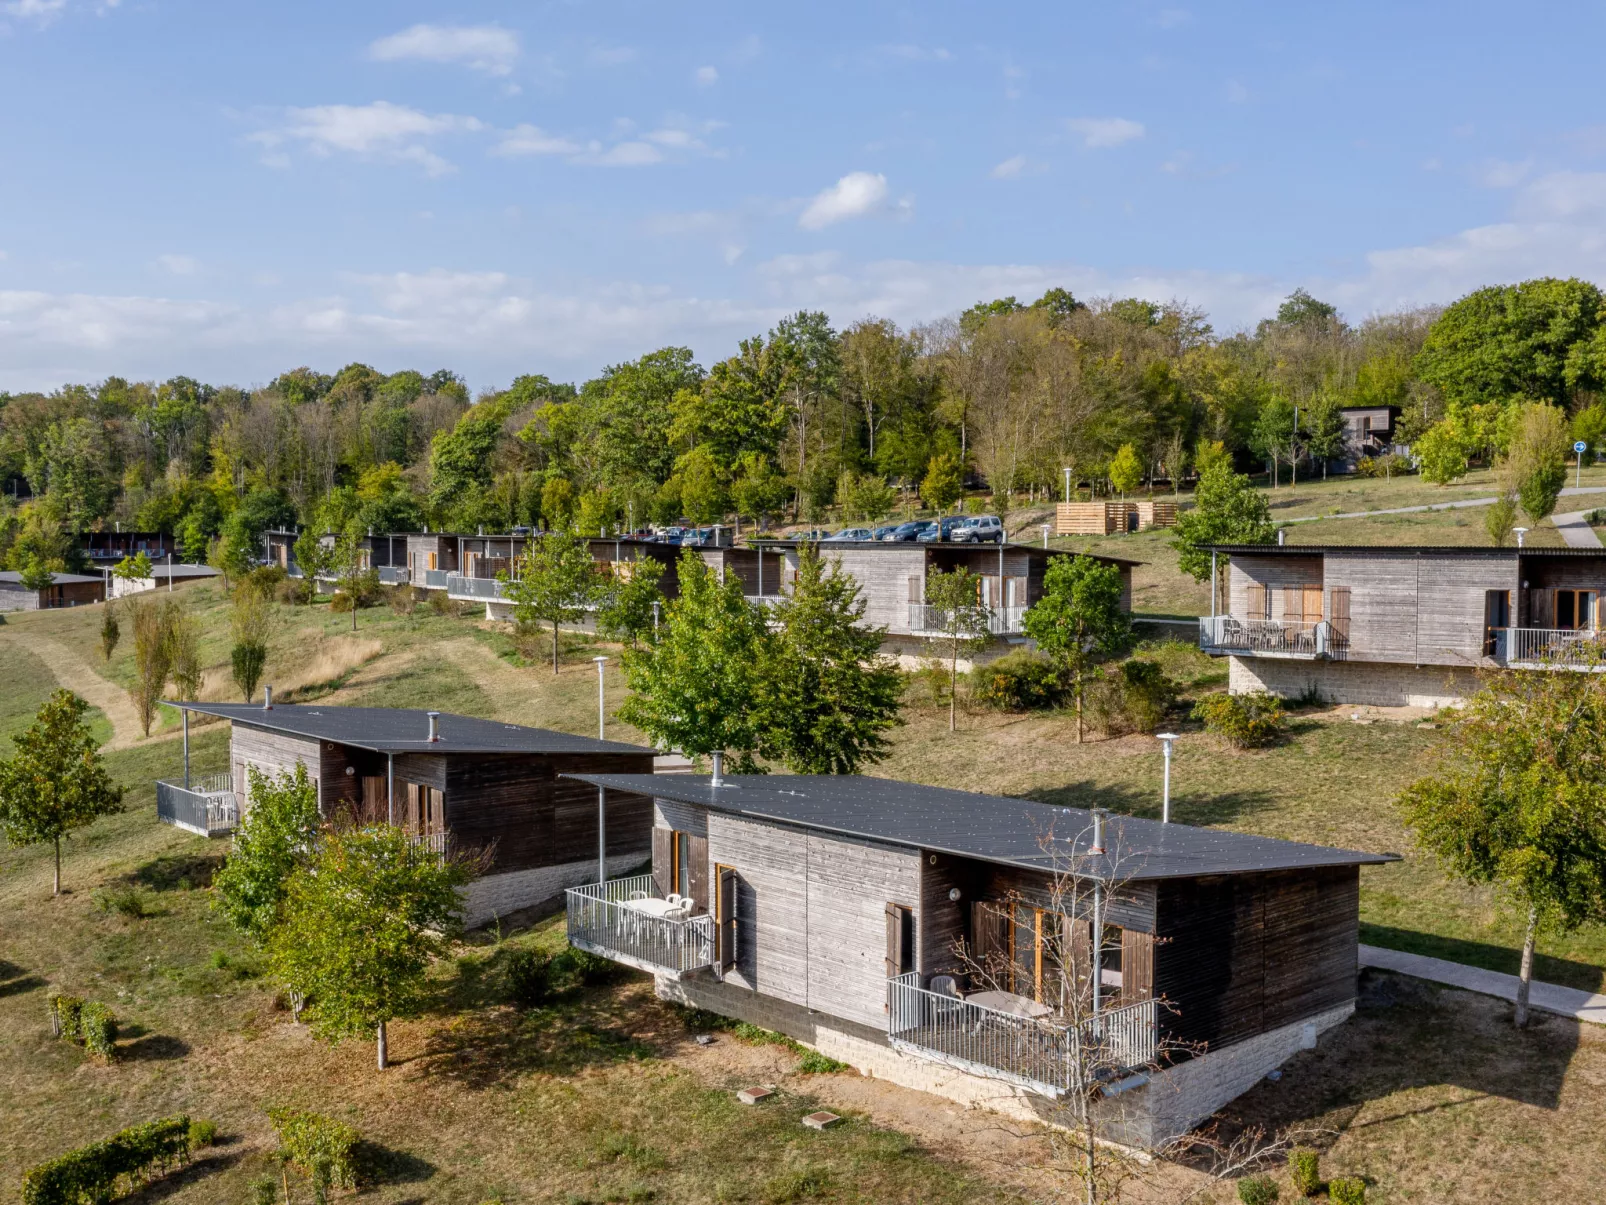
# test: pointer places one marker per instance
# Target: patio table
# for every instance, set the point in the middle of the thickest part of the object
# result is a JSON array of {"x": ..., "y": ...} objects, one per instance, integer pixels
[{"x": 1009, "y": 1002}]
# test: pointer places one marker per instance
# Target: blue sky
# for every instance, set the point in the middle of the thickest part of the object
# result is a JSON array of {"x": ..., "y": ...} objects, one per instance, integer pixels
[{"x": 231, "y": 189}]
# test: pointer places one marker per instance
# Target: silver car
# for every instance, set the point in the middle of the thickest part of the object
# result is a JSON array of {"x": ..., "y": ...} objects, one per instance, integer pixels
[{"x": 979, "y": 529}]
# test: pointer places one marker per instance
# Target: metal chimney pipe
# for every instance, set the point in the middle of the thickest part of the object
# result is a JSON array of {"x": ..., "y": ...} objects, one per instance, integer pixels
[
  {"x": 1280, "y": 534},
  {"x": 434, "y": 725},
  {"x": 1098, "y": 832},
  {"x": 719, "y": 770},
  {"x": 267, "y": 697}
]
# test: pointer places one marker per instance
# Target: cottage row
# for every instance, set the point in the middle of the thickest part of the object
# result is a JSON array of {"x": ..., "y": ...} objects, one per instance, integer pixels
[{"x": 992, "y": 950}]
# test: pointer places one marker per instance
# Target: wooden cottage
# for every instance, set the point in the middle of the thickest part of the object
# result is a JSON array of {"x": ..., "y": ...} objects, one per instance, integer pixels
[
  {"x": 64, "y": 590},
  {"x": 856, "y": 914},
  {"x": 452, "y": 781},
  {"x": 1399, "y": 625}
]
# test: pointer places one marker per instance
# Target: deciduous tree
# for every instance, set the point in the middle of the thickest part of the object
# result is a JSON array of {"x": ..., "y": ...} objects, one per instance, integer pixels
[
  {"x": 955, "y": 610},
  {"x": 557, "y": 580},
  {"x": 1227, "y": 509},
  {"x": 942, "y": 485},
  {"x": 1080, "y": 619},
  {"x": 278, "y": 833},
  {"x": 633, "y": 602}
]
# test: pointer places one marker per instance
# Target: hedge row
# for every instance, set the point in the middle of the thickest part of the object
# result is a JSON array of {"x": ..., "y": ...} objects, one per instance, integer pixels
[
  {"x": 85, "y": 1022},
  {"x": 317, "y": 1146},
  {"x": 93, "y": 1174}
]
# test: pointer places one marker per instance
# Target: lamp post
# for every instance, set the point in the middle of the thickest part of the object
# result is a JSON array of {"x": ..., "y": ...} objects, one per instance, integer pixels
[
  {"x": 1067, "y": 483},
  {"x": 602, "y": 713},
  {"x": 655, "y": 617},
  {"x": 1166, "y": 739},
  {"x": 602, "y": 792}
]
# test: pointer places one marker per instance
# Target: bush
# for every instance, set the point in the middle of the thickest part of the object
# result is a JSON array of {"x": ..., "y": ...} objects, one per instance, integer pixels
[
  {"x": 97, "y": 1030},
  {"x": 529, "y": 977},
  {"x": 1135, "y": 696},
  {"x": 1020, "y": 681},
  {"x": 815, "y": 1063},
  {"x": 1257, "y": 1190},
  {"x": 443, "y": 605},
  {"x": 588, "y": 967},
  {"x": 266, "y": 580},
  {"x": 202, "y": 1133},
  {"x": 64, "y": 1012},
  {"x": 95, "y": 1173},
  {"x": 340, "y": 602},
  {"x": 125, "y": 901},
  {"x": 1347, "y": 1190},
  {"x": 404, "y": 600},
  {"x": 1304, "y": 1169},
  {"x": 317, "y": 1146},
  {"x": 1247, "y": 721}
]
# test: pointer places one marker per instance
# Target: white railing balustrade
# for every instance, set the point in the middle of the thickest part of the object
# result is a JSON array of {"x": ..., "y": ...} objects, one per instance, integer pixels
[
  {"x": 1274, "y": 637},
  {"x": 1561, "y": 648},
  {"x": 428, "y": 843},
  {"x": 1001, "y": 621},
  {"x": 601, "y": 920},
  {"x": 207, "y": 807},
  {"x": 1047, "y": 1055},
  {"x": 435, "y": 579}
]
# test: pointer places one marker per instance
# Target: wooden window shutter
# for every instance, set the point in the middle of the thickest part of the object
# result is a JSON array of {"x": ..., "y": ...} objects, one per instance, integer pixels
[
  {"x": 1313, "y": 604},
  {"x": 1259, "y": 596},
  {"x": 725, "y": 919},
  {"x": 697, "y": 853},
  {"x": 1339, "y": 602},
  {"x": 914, "y": 589},
  {"x": 663, "y": 858},
  {"x": 1137, "y": 966},
  {"x": 1078, "y": 939},
  {"x": 894, "y": 940},
  {"x": 1293, "y": 603}
]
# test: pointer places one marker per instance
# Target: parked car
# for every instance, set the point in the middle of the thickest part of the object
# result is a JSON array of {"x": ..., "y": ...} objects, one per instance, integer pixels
[
  {"x": 849, "y": 535},
  {"x": 979, "y": 529},
  {"x": 941, "y": 530},
  {"x": 814, "y": 534},
  {"x": 883, "y": 532},
  {"x": 908, "y": 533}
]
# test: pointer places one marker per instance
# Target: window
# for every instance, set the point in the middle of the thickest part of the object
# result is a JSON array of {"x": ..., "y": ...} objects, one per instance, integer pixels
[
  {"x": 680, "y": 865},
  {"x": 1110, "y": 959},
  {"x": 900, "y": 939},
  {"x": 680, "y": 875},
  {"x": 1575, "y": 609}
]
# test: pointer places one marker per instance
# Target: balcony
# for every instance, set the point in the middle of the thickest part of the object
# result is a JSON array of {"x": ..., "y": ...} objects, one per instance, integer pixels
[
  {"x": 393, "y": 575},
  {"x": 474, "y": 589},
  {"x": 618, "y": 920},
  {"x": 1048, "y": 1056},
  {"x": 1292, "y": 639},
  {"x": 1548, "y": 648},
  {"x": 933, "y": 621},
  {"x": 206, "y": 807},
  {"x": 435, "y": 579}
]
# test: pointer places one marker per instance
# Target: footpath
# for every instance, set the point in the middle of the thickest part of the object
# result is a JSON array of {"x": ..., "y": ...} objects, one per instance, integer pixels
[{"x": 1547, "y": 997}]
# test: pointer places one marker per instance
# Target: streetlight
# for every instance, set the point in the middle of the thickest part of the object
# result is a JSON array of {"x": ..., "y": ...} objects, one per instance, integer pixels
[
  {"x": 1067, "y": 483},
  {"x": 602, "y": 714},
  {"x": 602, "y": 792},
  {"x": 1166, "y": 739},
  {"x": 1520, "y": 532}
]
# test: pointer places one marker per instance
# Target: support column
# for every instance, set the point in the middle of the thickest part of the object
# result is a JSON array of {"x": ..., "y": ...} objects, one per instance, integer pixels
[
  {"x": 185, "y": 712},
  {"x": 602, "y": 835},
  {"x": 390, "y": 788}
]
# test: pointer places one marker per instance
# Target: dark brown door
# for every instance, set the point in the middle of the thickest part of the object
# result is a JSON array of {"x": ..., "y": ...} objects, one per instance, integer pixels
[
  {"x": 697, "y": 872},
  {"x": 725, "y": 916},
  {"x": 1137, "y": 966}
]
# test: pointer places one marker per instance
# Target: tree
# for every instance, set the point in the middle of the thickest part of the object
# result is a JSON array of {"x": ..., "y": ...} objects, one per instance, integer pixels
[
  {"x": 1273, "y": 437},
  {"x": 1500, "y": 520},
  {"x": 866, "y": 496},
  {"x": 348, "y": 561},
  {"x": 110, "y": 631},
  {"x": 1079, "y": 619},
  {"x": 759, "y": 491},
  {"x": 136, "y": 568},
  {"x": 702, "y": 489},
  {"x": 1535, "y": 465},
  {"x": 249, "y": 623},
  {"x": 153, "y": 658},
  {"x": 183, "y": 636},
  {"x": 313, "y": 558},
  {"x": 826, "y": 695},
  {"x": 696, "y": 687},
  {"x": 557, "y": 502},
  {"x": 36, "y": 575},
  {"x": 954, "y": 609},
  {"x": 1227, "y": 510},
  {"x": 55, "y": 781},
  {"x": 1325, "y": 430},
  {"x": 1441, "y": 452},
  {"x": 278, "y": 833},
  {"x": 556, "y": 581},
  {"x": 1520, "y": 801},
  {"x": 362, "y": 921},
  {"x": 1126, "y": 470},
  {"x": 942, "y": 485},
  {"x": 1589, "y": 427},
  {"x": 633, "y": 603},
  {"x": 1299, "y": 308}
]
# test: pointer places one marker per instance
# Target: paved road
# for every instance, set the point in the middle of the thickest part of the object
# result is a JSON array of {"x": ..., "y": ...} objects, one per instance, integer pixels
[
  {"x": 1569, "y": 492},
  {"x": 1575, "y": 530},
  {"x": 1547, "y": 997}
]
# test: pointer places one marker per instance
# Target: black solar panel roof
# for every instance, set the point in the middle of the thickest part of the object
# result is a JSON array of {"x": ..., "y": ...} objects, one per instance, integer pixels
[
  {"x": 398, "y": 730},
  {"x": 993, "y": 828}
]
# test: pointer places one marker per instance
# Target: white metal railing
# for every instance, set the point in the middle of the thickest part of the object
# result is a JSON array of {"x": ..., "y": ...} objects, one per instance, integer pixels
[
  {"x": 1582, "y": 648},
  {"x": 207, "y": 807},
  {"x": 1274, "y": 637},
  {"x": 430, "y": 843},
  {"x": 458, "y": 586},
  {"x": 393, "y": 575},
  {"x": 602, "y": 921},
  {"x": 435, "y": 579},
  {"x": 1047, "y": 1055},
  {"x": 1001, "y": 621}
]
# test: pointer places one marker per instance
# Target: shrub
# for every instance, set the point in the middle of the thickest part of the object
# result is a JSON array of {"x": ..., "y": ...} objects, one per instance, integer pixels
[
  {"x": 1247, "y": 721},
  {"x": 264, "y": 1191},
  {"x": 529, "y": 977},
  {"x": 95, "y": 1173},
  {"x": 340, "y": 602},
  {"x": 815, "y": 1063},
  {"x": 97, "y": 1030},
  {"x": 317, "y": 1146},
  {"x": 1347, "y": 1190},
  {"x": 1020, "y": 681},
  {"x": 265, "y": 579},
  {"x": 202, "y": 1133},
  {"x": 1304, "y": 1169},
  {"x": 1146, "y": 694},
  {"x": 404, "y": 600},
  {"x": 64, "y": 1012},
  {"x": 125, "y": 901},
  {"x": 588, "y": 967},
  {"x": 1257, "y": 1190}
]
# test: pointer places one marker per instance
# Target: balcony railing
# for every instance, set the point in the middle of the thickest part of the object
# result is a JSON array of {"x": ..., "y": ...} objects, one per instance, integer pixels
[
  {"x": 1549, "y": 648},
  {"x": 393, "y": 575},
  {"x": 435, "y": 579},
  {"x": 207, "y": 807},
  {"x": 487, "y": 588},
  {"x": 1048, "y": 1056},
  {"x": 1296, "y": 638},
  {"x": 430, "y": 844},
  {"x": 602, "y": 920},
  {"x": 934, "y": 621}
]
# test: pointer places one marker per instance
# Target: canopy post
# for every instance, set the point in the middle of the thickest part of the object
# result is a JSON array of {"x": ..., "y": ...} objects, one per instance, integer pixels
[
  {"x": 602, "y": 835},
  {"x": 185, "y": 712}
]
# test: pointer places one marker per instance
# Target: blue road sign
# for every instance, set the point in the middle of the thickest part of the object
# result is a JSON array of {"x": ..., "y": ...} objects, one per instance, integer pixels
[{"x": 1580, "y": 446}]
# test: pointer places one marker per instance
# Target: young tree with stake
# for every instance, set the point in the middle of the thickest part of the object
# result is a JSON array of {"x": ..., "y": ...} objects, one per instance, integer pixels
[
  {"x": 557, "y": 579},
  {"x": 955, "y": 610},
  {"x": 55, "y": 781},
  {"x": 1079, "y": 619}
]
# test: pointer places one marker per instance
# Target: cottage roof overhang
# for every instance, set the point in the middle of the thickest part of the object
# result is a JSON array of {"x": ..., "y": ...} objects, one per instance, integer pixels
[
  {"x": 990, "y": 828},
  {"x": 13, "y": 577},
  {"x": 405, "y": 730},
  {"x": 1036, "y": 550},
  {"x": 1402, "y": 550}
]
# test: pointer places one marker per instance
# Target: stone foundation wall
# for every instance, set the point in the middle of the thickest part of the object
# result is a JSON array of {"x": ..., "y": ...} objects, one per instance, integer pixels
[
  {"x": 499, "y": 894},
  {"x": 1368, "y": 683}
]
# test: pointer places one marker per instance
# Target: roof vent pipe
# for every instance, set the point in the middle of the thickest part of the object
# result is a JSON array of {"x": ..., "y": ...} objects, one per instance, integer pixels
[
  {"x": 267, "y": 697},
  {"x": 1097, "y": 848},
  {"x": 434, "y": 725},
  {"x": 719, "y": 770},
  {"x": 1281, "y": 533}
]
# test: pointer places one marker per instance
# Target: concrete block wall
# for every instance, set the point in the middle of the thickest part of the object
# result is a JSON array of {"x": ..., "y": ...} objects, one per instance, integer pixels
[
  {"x": 1368, "y": 683},
  {"x": 499, "y": 894}
]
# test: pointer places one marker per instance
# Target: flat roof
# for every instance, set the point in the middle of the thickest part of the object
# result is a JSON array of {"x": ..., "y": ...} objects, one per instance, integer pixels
[
  {"x": 405, "y": 730},
  {"x": 13, "y": 577},
  {"x": 991, "y": 828},
  {"x": 1036, "y": 549},
  {"x": 1463, "y": 550}
]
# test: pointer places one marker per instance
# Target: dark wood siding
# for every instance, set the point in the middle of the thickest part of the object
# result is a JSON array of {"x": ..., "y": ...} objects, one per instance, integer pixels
[{"x": 1239, "y": 956}]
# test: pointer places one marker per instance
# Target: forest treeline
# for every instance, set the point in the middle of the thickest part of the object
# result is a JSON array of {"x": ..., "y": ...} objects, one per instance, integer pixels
[{"x": 1006, "y": 396}]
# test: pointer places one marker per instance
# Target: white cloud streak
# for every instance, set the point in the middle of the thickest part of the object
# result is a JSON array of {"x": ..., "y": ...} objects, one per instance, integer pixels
[
  {"x": 1099, "y": 133},
  {"x": 486, "y": 48},
  {"x": 382, "y": 131},
  {"x": 855, "y": 195}
]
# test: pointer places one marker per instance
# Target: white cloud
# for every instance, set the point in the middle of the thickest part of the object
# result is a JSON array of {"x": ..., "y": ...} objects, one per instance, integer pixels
[
  {"x": 1100, "y": 132},
  {"x": 1010, "y": 168},
  {"x": 1499, "y": 174},
  {"x": 532, "y": 140},
  {"x": 487, "y": 48},
  {"x": 42, "y": 11},
  {"x": 706, "y": 77},
  {"x": 625, "y": 154},
  {"x": 381, "y": 131},
  {"x": 178, "y": 265},
  {"x": 853, "y": 196},
  {"x": 917, "y": 54}
]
